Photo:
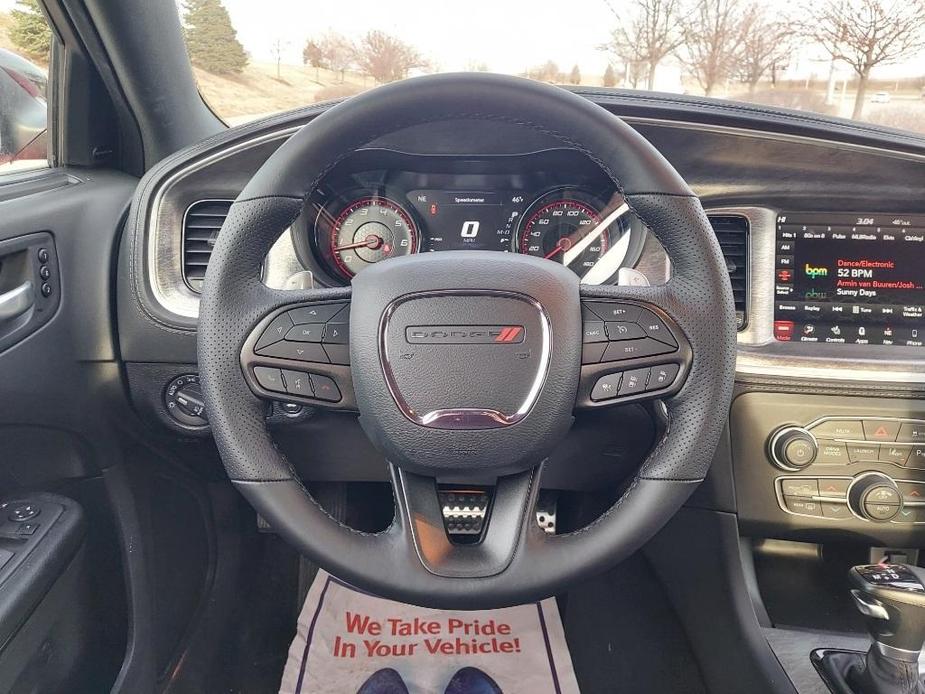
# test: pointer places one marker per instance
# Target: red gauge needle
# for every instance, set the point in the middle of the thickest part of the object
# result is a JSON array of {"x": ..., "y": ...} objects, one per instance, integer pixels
[
  {"x": 371, "y": 242},
  {"x": 562, "y": 244}
]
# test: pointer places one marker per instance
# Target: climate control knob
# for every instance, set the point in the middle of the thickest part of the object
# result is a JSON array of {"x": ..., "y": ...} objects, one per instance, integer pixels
[
  {"x": 875, "y": 496},
  {"x": 793, "y": 448}
]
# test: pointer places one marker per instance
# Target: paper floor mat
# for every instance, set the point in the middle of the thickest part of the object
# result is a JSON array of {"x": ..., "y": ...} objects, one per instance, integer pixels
[{"x": 349, "y": 642}]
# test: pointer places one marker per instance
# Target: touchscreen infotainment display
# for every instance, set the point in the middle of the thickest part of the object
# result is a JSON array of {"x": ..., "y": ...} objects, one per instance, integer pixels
[{"x": 850, "y": 279}]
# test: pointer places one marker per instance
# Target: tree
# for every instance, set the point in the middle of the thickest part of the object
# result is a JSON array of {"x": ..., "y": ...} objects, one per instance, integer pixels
[
  {"x": 338, "y": 52},
  {"x": 575, "y": 75},
  {"x": 712, "y": 36},
  {"x": 277, "y": 48},
  {"x": 647, "y": 34},
  {"x": 868, "y": 33},
  {"x": 610, "y": 77},
  {"x": 386, "y": 58},
  {"x": 766, "y": 44},
  {"x": 547, "y": 72},
  {"x": 211, "y": 40},
  {"x": 313, "y": 55},
  {"x": 29, "y": 30}
]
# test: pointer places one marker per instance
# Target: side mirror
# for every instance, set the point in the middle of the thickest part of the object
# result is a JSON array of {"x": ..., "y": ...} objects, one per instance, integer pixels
[{"x": 23, "y": 111}]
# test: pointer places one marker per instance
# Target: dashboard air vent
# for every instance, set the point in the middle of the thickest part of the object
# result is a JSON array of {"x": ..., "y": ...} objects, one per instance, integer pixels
[
  {"x": 732, "y": 233},
  {"x": 201, "y": 223}
]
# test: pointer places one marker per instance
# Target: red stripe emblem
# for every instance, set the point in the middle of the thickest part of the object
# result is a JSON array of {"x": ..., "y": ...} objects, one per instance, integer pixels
[{"x": 508, "y": 334}]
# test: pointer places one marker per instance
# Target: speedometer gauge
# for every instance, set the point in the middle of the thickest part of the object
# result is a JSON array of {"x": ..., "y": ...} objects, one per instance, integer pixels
[
  {"x": 368, "y": 230},
  {"x": 575, "y": 229}
]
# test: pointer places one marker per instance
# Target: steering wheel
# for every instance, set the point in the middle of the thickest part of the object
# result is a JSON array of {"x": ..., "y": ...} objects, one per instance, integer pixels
[{"x": 466, "y": 363}]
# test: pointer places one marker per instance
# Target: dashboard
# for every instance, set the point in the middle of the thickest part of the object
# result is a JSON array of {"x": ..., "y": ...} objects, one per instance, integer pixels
[{"x": 554, "y": 204}]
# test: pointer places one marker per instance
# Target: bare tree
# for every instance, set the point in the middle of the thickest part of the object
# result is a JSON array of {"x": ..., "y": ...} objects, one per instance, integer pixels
[
  {"x": 765, "y": 46},
  {"x": 277, "y": 49},
  {"x": 712, "y": 33},
  {"x": 338, "y": 52},
  {"x": 386, "y": 58},
  {"x": 649, "y": 31},
  {"x": 547, "y": 72},
  {"x": 868, "y": 33}
]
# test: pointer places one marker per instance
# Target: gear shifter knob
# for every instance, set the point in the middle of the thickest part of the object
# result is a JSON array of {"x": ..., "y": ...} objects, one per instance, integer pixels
[{"x": 892, "y": 598}]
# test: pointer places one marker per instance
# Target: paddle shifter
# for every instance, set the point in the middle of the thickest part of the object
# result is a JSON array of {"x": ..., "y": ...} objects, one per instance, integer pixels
[{"x": 892, "y": 599}]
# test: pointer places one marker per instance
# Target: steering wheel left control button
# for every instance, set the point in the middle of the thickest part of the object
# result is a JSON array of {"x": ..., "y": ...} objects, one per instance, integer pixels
[
  {"x": 298, "y": 351},
  {"x": 607, "y": 387},
  {"x": 275, "y": 332},
  {"x": 297, "y": 383},
  {"x": 270, "y": 379},
  {"x": 307, "y": 332},
  {"x": 325, "y": 388}
]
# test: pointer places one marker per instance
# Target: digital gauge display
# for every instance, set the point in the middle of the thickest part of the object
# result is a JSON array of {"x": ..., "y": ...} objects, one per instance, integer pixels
[{"x": 467, "y": 220}]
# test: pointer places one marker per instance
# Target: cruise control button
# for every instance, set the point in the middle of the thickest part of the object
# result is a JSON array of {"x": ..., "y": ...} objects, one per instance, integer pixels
[
  {"x": 662, "y": 376},
  {"x": 274, "y": 332},
  {"x": 300, "y": 351},
  {"x": 804, "y": 507},
  {"x": 863, "y": 452},
  {"x": 336, "y": 334},
  {"x": 325, "y": 388},
  {"x": 894, "y": 454},
  {"x": 307, "y": 332},
  {"x": 880, "y": 430},
  {"x": 833, "y": 486},
  {"x": 614, "y": 312},
  {"x": 839, "y": 429},
  {"x": 607, "y": 387},
  {"x": 634, "y": 381},
  {"x": 297, "y": 383},
  {"x": 270, "y": 379},
  {"x": 623, "y": 331},
  {"x": 593, "y": 331},
  {"x": 654, "y": 327},
  {"x": 591, "y": 353},
  {"x": 806, "y": 487},
  {"x": 321, "y": 313},
  {"x": 912, "y": 432},
  {"x": 831, "y": 453},
  {"x": 633, "y": 349},
  {"x": 338, "y": 354},
  {"x": 834, "y": 510}
]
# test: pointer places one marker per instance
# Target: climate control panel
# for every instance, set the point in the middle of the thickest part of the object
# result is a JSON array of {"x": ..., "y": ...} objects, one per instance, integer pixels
[{"x": 869, "y": 496}]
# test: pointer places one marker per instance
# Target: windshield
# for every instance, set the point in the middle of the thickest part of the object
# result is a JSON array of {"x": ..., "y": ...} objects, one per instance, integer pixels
[{"x": 859, "y": 59}]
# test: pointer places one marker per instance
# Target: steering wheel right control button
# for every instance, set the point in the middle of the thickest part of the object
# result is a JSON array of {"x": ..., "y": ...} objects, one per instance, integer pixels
[{"x": 629, "y": 332}]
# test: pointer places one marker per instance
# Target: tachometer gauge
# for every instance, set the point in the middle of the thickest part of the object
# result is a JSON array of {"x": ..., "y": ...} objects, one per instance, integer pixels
[
  {"x": 578, "y": 231},
  {"x": 368, "y": 230}
]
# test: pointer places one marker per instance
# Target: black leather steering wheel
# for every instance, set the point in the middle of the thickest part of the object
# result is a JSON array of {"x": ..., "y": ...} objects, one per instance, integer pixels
[{"x": 437, "y": 391}]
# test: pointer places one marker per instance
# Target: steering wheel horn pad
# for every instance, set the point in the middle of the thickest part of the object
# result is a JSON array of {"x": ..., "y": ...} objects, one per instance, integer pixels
[
  {"x": 413, "y": 560},
  {"x": 465, "y": 362}
]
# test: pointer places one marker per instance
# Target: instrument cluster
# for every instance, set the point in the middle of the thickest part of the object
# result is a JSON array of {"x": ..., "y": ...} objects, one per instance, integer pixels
[{"x": 555, "y": 204}]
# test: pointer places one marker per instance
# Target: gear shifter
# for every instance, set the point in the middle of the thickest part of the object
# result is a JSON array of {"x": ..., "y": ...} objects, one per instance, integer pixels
[{"x": 892, "y": 599}]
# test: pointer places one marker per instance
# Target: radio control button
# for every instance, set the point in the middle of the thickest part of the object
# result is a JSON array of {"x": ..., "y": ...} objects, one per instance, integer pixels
[
  {"x": 803, "y": 507},
  {"x": 839, "y": 429},
  {"x": 880, "y": 430},
  {"x": 807, "y": 487},
  {"x": 894, "y": 454},
  {"x": 863, "y": 453},
  {"x": 834, "y": 510},
  {"x": 833, "y": 486},
  {"x": 832, "y": 453},
  {"x": 911, "y": 432}
]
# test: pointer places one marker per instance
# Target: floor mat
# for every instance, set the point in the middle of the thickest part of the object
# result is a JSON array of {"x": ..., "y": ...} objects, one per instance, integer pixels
[{"x": 348, "y": 641}]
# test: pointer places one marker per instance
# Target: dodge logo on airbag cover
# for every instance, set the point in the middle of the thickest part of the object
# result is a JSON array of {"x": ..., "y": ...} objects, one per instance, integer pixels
[{"x": 464, "y": 334}]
